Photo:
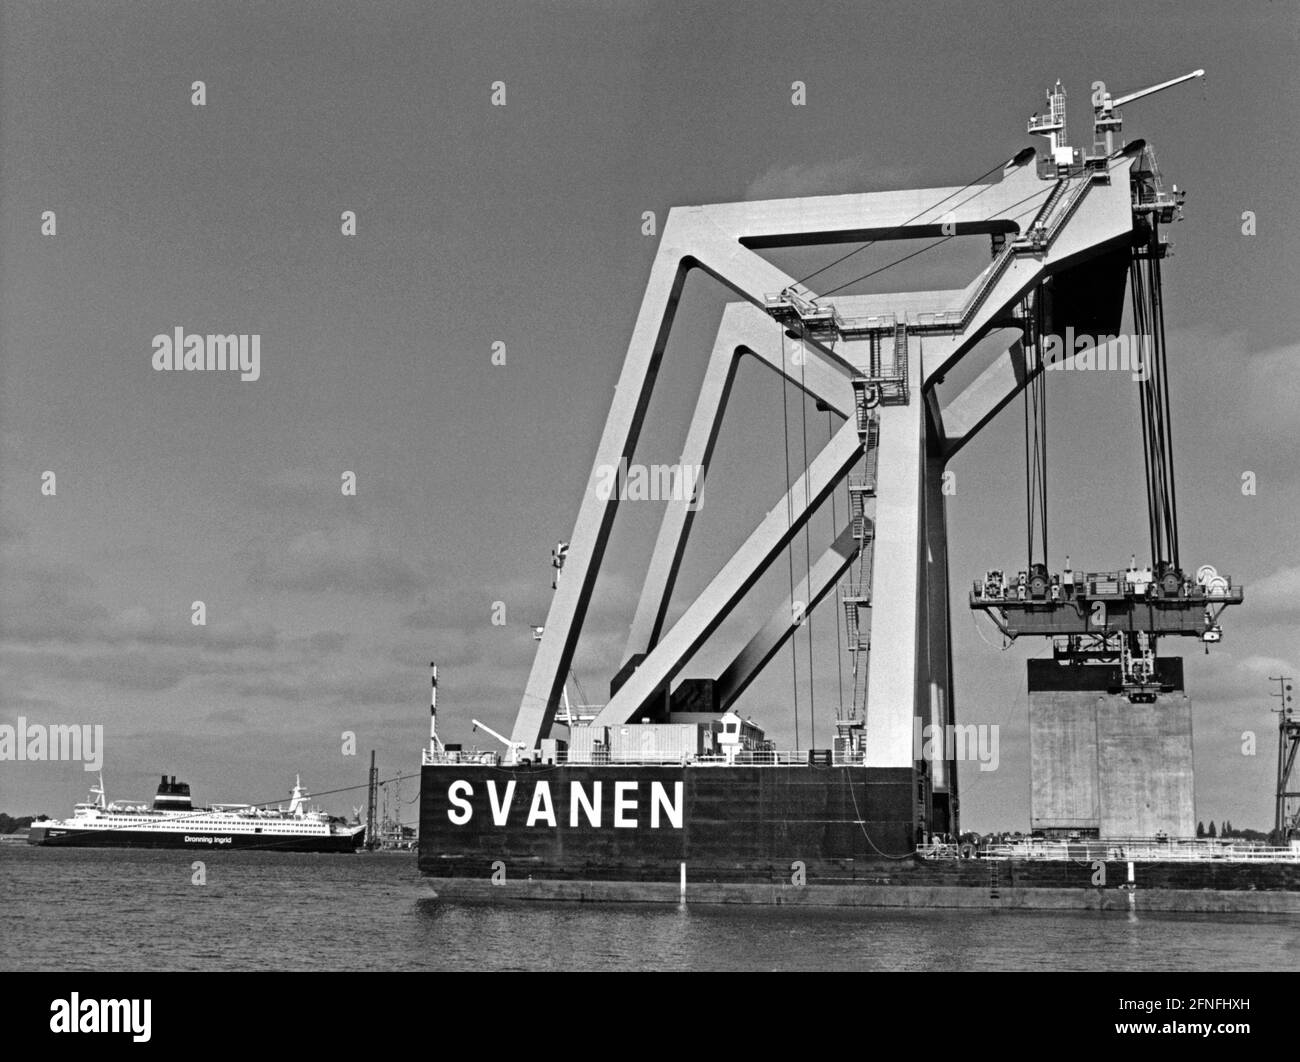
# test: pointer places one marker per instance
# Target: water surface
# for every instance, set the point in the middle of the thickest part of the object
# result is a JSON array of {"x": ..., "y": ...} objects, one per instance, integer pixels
[{"x": 124, "y": 909}]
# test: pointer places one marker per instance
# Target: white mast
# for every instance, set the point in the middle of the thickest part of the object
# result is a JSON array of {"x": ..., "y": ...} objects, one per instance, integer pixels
[
  {"x": 298, "y": 805},
  {"x": 435, "y": 745}
]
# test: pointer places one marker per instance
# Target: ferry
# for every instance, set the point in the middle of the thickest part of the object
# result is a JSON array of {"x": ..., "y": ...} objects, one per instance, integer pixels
[{"x": 172, "y": 821}]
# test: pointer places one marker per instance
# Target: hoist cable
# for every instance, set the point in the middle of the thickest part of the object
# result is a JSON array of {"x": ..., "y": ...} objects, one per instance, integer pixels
[
  {"x": 839, "y": 650},
  {"x": 1158, "y": 315},
  {"x": 807, "y": 544},
  {"x": 789, "y": 518}
]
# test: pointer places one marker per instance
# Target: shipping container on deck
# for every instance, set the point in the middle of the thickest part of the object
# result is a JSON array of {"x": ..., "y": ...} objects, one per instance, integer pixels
[
  {"x": 588, "y": 744},
  {"x": 655, "y": 742}
]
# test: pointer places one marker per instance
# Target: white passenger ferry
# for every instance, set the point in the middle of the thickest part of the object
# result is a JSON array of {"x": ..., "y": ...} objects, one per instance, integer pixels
[{"x": 172, "y": 821}]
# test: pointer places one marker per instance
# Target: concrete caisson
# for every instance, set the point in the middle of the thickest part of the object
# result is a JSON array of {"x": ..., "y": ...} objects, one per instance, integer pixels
[{"x": 1102, "y": 765}]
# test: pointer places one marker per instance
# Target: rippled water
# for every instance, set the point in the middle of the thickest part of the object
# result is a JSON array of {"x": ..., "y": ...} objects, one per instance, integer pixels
[{"x": 121, "y": 909}]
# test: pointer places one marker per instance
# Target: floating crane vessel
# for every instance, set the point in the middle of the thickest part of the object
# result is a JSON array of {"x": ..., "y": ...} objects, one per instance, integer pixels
[{"x": 670, "y": 791}]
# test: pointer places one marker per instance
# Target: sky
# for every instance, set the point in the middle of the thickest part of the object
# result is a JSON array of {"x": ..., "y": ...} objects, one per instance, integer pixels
[{"x": 522, "y": 224}]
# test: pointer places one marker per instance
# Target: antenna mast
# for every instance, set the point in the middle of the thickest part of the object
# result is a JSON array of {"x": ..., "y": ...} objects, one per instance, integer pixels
[
  {"x": 1286, "y": 819},
  {"x": 435, "y": 742}
]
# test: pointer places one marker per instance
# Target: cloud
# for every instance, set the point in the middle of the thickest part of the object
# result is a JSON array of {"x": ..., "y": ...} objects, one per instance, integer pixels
[
  {"x": 46, "y": 604},
  {"x": 473, "y": 609},
  {"x": 327, "y": 641},
  {"x": 42, "y": 603},
  {"x": 1260, "y": 667},
  {"x": 861, "y": 173},
  {"x": 449, "y": 647},
  {"x": 1235, "y": 685},
  {"x": 316, "y": 489},
  {"x": 141, "y": 626},
  {"x": 1276, "y": 594},
  {"x": 353, "y": 682},
  {"x": 425, "y": 618},
  {"x": 293, "y": 488},
  {"x": 1272, "y": 380},
  {"x": 9, "y": 531},
  {"x": 308, "y": 685},
  {"x": 350, "y": 560},
  {"x": 130, "y": 669},
  {"x": 294, "y": 671}
]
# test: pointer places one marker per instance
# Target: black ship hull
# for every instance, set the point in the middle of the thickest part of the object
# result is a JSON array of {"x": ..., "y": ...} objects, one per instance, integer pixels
[
  {"x": 203, "y": 840},
  {"x": 639, "y": 823},
  {"x": 841, "y": 836}
]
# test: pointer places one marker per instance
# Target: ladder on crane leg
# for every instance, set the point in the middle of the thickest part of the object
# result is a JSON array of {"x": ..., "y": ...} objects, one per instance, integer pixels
[{"x": 855, "y": 592}]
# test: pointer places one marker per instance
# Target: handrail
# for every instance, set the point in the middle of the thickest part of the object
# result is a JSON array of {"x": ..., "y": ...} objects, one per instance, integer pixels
[
  {"x": 1142, "y": 850},
  {"x": 1137, "y": 850},
  {"x": 605, "y": 757},
  {"x": 1008, "y": 253},
  {"x": 1071, "y": 205},
  {"x": 814, "y": 315}
]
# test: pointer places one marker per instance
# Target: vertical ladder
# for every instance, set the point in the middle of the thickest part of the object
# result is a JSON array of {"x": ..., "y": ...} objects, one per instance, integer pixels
[
  {"x": 897, "y": 389},
  {"x": 855, "y": 592},
  {"x": 900, "y": 353}
]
